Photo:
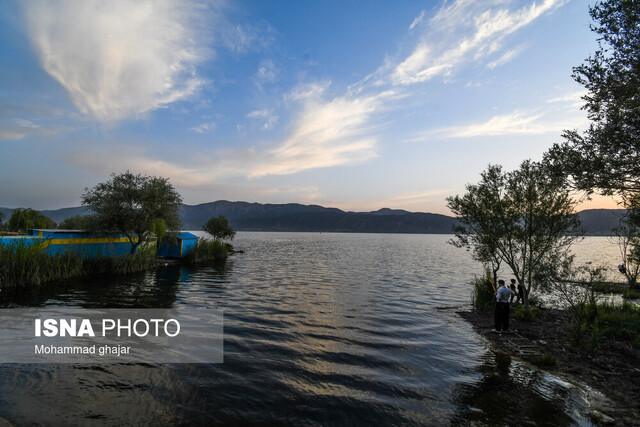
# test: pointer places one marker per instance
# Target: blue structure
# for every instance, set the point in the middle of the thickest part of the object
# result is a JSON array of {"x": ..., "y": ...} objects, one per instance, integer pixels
[
  {"x": 177, "y": 247},
  {"x": 85, "y": 243}
]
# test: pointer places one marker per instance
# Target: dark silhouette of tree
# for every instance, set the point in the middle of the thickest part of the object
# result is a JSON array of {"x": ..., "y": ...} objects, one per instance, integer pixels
[
  {"x": 134, "y": 205},
  {"x": 23, "y": 219},
  {"x": 523, "y": 218},
  {"x": 219, "y": 228}
]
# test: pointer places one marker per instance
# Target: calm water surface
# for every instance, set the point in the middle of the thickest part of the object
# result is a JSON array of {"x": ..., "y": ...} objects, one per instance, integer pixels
[{"x": 347, "y": 329}]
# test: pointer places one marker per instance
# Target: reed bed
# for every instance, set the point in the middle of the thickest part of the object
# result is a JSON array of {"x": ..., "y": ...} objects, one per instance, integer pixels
[{"x": 25, "y": 265}]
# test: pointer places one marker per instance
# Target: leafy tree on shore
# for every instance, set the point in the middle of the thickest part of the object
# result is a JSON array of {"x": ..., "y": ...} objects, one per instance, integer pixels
[
  {"x": 23, "y": 219},
  {"x": 606, "y": 157},
  {"x": 523, "y": 218},
  {"x": 219, "y": 228},
  {"x": 76, "y": 222},
  {"x": 134, "y": 205}
]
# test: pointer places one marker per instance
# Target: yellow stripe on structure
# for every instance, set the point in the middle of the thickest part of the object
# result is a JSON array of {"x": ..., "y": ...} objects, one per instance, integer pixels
[{"x": 79, "y": 241}]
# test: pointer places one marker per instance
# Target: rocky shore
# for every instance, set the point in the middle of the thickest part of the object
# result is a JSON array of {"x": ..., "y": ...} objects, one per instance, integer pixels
[{"x": 613, "y": 368}]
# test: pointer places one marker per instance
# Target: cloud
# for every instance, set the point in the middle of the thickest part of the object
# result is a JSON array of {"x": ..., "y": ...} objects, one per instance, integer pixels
[
  {"x": 243, "y": 38},
  {"x": 12, "y": 129},
  {"x": 14, "y": 125},
  {"x": 326, "y": 133},
  {"x": 266, "y": 115},
  {"x": 516, "y": 123},
  {"x": 506, "y": 57},
  {"x": 574, "y": 99},
  {"x": 465, "y": 30},
  {"x": 267, "y": 73},
  {"x": 204, "y": 127},
  {"x": 119, "y": 58},
  {"x": 417, "y": 21}
]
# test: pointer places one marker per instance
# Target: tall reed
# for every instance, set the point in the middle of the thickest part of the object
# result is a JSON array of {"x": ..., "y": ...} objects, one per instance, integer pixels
[
  {"x": 207, "y": 250},
  {"x": 23, "y": 264}
]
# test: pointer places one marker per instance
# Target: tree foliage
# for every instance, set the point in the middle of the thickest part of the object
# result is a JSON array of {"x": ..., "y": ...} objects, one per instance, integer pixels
[
  {"x": 219, "y": 228},
  {"x": 23, "y": 219},
  {"x": 523, "y": 218},
  {"x": 133, "y": 205},
  {"x": 606, "y": 157},
  {"x": 76, "y": 222},
  {"x": 628, "y": 239}
]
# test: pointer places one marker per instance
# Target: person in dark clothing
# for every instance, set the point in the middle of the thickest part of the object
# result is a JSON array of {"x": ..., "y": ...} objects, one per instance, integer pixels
[
  {"x": 512, "y": 286},
  {"x": 502, "y": 307},
  {"x": 520, "y": 293}
]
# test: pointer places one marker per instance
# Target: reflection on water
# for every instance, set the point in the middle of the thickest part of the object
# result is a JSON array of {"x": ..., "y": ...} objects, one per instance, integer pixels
[
  {"x": 513, "y": 393},
  {"x": 319, "y": 329}
]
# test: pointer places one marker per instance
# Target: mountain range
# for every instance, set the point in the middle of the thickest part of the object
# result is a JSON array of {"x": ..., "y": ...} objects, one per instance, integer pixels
[{"x": 244, "y": 216}]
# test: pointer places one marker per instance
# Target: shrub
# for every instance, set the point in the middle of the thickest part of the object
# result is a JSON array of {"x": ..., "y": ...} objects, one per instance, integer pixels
[
  {"x": 207, "y": 250},
  {"x": 546, "y": 360},
  {"x": 482, "y": 294}
]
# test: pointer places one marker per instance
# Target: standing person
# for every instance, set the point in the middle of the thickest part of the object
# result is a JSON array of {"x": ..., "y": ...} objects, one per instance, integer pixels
[
  {"x": 512, "y": 286},
  {"x": 502, "y": 307},
  {"x": 520, "y": 293}
]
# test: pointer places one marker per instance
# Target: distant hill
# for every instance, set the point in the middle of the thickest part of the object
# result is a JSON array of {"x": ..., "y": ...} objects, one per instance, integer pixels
[
  {"x": 244, "y": 216},
  {"x": 600, "y": 222}
]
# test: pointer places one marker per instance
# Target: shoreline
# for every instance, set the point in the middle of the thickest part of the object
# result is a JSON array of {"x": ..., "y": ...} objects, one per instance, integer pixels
[{"x": 612, "y": 369}]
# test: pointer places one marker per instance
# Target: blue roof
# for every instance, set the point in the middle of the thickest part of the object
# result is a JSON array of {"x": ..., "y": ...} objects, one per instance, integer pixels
[{"x": 185, "y": 235}]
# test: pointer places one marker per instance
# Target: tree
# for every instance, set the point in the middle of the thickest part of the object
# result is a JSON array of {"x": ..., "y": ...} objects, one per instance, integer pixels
[
  {"x": 133, "y": 205},
  {"x": 628, "y": 239},
  {"x": 523, "y": 218},
  {"x": 23, "y": 219},
  {"x": 1, "y": 219},
  {"x": 219, "y": 228},
  {"x": 76, "y": 222},
  {"x": 606, "y": 157}
]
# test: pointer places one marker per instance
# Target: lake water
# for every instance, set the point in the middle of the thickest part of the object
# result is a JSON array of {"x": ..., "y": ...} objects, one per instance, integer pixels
[{"x": 338, "y": 329}]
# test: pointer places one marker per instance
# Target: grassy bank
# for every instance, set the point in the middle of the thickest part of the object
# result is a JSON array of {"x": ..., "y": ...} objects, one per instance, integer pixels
[
  {"x": 208, "y": 251},
  {"x": 24, "y": 265}
]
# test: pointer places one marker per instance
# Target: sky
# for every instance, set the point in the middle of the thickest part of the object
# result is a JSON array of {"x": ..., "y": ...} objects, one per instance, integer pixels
[{"x": 354, "y": 104}]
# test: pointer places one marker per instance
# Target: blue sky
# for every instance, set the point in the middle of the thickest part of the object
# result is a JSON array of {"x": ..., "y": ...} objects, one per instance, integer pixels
[{"x": 358, "y": 105}]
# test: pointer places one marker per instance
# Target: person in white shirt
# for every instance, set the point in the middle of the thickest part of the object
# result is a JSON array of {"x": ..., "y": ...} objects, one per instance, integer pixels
[{"x": 502, "y": 307}]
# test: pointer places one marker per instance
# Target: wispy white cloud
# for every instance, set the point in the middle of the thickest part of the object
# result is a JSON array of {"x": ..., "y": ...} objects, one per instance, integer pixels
[
  {"x": 204, "y": 127},
  {"x": 119, "y": 58},
  {"x": 267, "y": 72},
  {"x": 417, "y": 21},
  {"x": 508, "y": 56},
  {"x": 465, "y": 30},
  {"x": 326, "y": 133},
  {"x": 13, "y": 129},
  {"x": 573, "y": 99},
  {"x": 20, "y": 120},
  {"x": 243, "y": 38},
  {"x": 515, "y": 123},
  {"x": 267, "y": 116}
]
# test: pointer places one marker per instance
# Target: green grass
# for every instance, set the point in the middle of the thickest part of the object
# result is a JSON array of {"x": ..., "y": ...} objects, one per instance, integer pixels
[
  {"x": 521, "y": 314},
  {"x": 631, "y": 294},
  {"x": 612, "y": 288},
  {"x": 619, "y": 321},
  {"x": 208, "y": 251},
  {"x": 23, "y": 265},
  {"x": 547, "y": 360}
]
